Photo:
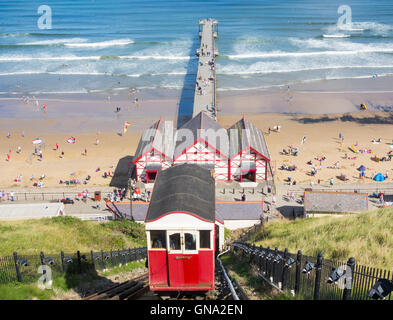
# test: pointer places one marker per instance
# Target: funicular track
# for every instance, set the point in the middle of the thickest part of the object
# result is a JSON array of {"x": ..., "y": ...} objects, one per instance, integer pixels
[
  {"x": 128, "y": 290},
  {"x": 138, "y": 288}
]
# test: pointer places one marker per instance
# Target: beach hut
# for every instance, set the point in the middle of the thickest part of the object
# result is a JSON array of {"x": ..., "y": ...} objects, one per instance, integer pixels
[
  {"x": 154, "y": 152},
  {"x": 248, "y": 154},
  {"x": 204, "y": 142}
]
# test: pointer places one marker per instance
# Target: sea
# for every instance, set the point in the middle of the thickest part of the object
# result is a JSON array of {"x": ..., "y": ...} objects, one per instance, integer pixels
[{"x": 102, "y": 46}]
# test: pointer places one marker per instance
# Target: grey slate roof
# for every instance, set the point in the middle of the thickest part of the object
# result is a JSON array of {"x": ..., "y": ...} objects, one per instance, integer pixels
[
  {"x": 239, "y": 210},
  {"x": 184, "y": 187},
  {"x": 202, "y": 126},
  {"x": 159, "y": 136},
  {"x": 224, "y": 210},
  {"x": 244, "y": 134},
  {"x": 330, "y": 202}
]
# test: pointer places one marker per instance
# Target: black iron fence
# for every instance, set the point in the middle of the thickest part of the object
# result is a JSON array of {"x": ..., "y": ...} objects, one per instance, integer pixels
[
  {"x": 314, "y": 278},
  {"x": 29, "y": 268}
]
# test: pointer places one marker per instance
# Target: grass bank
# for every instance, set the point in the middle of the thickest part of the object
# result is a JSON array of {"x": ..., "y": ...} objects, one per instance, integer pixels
[
  {"x": 367, "y": 237},
  {"x": 51, "y": 235},
  {"x": 70, "y": 286}
]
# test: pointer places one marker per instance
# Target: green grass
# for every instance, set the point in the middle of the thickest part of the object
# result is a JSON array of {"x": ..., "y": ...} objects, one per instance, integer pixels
[
  {"x": 51, "y": 235},
  {"x": 22, "y": 291},
  {"x": 365, "y": 236},
  {"x": 61, "y": 283}
]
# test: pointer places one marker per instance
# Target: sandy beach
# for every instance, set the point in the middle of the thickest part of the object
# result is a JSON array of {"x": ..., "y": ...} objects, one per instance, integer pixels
[{"x": 319, "y": 111}]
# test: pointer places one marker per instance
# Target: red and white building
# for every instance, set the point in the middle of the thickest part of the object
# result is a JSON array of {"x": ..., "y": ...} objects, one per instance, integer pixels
[
  {"x": 248, "y": 154},
  {"x": 154, "y": 152},
  {"x": 204, "y": 142}
]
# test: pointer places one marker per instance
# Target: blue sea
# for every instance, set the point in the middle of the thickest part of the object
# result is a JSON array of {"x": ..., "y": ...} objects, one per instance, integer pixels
[{"x": 112, "y": 46}]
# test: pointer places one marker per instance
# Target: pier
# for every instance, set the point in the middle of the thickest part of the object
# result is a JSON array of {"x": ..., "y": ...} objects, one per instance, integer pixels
[{"x": 205, "y": 86}]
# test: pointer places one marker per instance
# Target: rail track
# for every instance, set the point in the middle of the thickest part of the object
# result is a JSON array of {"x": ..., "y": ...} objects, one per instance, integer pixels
[
  {"x": 138, "y": 288},
  {"x": 128, "y": 290}
]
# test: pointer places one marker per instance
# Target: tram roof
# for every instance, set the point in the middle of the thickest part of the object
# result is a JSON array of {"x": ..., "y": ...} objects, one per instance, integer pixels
[{"x": 183, "y": 188}]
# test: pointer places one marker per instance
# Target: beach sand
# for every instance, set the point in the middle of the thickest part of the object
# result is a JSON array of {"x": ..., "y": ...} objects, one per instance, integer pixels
[{"x": 318, "y": 111}]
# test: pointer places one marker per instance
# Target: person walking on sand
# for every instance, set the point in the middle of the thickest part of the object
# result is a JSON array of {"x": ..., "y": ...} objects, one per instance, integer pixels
[
  {"x": 57, "y": 146},
  {"x": 9, "y": 135},
  {"x": 85, "y": 152}
]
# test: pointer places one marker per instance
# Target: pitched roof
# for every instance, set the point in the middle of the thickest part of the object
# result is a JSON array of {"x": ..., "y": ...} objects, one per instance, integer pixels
[
  {"x": 244, "y": 134},
  {"x": 159, "y": 136},
  {"x": 184, "y": 188},
  {"x": 319, "y": 201},
  {"x": 202, "y": 126}
]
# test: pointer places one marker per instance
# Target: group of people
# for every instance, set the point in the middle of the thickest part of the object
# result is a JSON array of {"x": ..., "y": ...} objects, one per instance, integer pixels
[{"x": 4, "y": 196}]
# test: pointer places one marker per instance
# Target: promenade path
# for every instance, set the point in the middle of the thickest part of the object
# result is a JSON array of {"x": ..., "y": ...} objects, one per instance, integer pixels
[{"x": 205, "y": 86}]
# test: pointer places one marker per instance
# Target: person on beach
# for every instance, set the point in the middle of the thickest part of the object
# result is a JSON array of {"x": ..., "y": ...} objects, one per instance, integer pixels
[
  {"x": 57, "y": 146},
  {"x": 23, "y": 134},
  {"x": 85, "y": 152},
  {"x": 9, "y": 135}
]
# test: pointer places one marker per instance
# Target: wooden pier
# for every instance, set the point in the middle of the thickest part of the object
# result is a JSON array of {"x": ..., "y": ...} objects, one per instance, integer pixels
[{"x": 205, "y": 86}]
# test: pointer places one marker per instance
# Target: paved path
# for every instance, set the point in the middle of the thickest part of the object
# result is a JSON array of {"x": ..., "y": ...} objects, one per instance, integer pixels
[{"x": 206, "y": 75}]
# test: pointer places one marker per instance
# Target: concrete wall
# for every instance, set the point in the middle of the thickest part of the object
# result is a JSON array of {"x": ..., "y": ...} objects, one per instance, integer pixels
[
  {"x": 237, "y": 224},
  {"x": 30, "y": 211}
]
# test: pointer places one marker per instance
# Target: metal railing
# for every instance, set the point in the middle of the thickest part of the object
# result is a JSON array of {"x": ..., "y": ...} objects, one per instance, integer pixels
[
  {"x": 25, "y": 268},
  {"x": 314, "y": 278}
]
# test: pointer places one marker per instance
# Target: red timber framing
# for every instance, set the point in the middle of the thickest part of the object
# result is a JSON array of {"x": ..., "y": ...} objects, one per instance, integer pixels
[
  {"x": 248, "y": 154},
  {"x": 151, "y": 157},
  {"x": 201, "y": 152}
]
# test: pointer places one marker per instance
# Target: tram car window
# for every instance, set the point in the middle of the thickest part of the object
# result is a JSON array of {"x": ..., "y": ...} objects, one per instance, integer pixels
[
  {"x": 204, "y": 239},
  {"x": 158, "y": 239}
]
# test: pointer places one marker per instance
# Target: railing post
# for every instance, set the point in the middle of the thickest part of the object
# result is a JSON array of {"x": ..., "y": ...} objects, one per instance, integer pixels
[
  {"x": 129, "y": 255},
  {"x": 318, "y": 273},
  {"x": 112, "y": 258},
  {"x": 18, "y": 275},
  {"x": 42, "y": 257},
  {"x": 124, "y": 256},
  {"x": 78, "y": 254},
  {"x": 274, "y": 271},
  {"x": 284, "y": 271},
  {"x": 103, "y": 260},
  {"x": 62, "y": 261},
  {"x": 267, "y": 272},
  {"x": 92, "y": 259},
  {"x": 118, "y": 256},
  {"x": 298, "y": 270},
  {"x": 349, "y": 274}
]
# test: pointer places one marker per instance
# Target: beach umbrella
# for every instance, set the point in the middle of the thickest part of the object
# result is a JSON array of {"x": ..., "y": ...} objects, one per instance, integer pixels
[
  {"x": 37, "y": 141},
  {"x": 379, "y": 177},
  {"x": 71, "y": 140},
  {"x": 362, "y": 168}
]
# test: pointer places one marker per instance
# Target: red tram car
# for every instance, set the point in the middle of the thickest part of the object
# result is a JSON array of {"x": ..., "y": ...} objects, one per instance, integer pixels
[{"x": 182, "y": 231}]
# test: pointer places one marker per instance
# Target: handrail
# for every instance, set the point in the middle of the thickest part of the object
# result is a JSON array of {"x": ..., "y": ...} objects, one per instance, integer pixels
[{"x": 235, "y": 296}]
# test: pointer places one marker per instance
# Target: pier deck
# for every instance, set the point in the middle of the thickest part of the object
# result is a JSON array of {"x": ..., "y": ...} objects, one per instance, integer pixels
[{"x": 205, "y": 87}]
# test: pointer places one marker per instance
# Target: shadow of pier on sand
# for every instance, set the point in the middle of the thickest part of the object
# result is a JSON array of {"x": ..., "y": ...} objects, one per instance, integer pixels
[{"x": 186, "y": 103}]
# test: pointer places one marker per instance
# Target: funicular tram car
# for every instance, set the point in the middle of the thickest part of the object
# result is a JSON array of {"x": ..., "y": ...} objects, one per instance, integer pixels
[{"x": 182, "y": 231}]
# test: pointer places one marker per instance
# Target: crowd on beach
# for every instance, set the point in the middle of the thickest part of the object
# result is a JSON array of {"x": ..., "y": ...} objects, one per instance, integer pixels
[{"x": 316, "y": 165}]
